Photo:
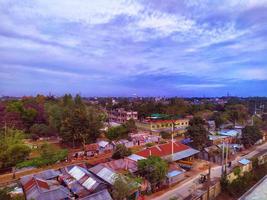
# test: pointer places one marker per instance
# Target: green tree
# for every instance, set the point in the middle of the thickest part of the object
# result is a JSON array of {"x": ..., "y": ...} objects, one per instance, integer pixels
[
  {"x": 197, "y": 132},
  {"x": 121, "y": 151},
  {"x": 250, "y": 135},
  {"x": 130, "y": 125},
  {"x": 41, "y": 130},
  {"x": 154, "y": 169},
  {"x": 237, "y": 113},
  {"x": 118, "y": 132},
  {"x": 80, "y": 125},
  {"x": 123, "y": 187},
  {"x": 12, "y": 148},
  {"x": 219, "y": 119}
]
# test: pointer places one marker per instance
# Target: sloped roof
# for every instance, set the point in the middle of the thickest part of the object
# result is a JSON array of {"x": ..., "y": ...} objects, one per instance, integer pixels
[
  {"x": 103, "y": 143},
  {"x": 104, "y": 173},
  {"x": 122, "y": 164},
  {"x": 102, "y": 195},
  {"x": 244, "y": 161},
  {"x": 232, "y": 133},
  {"x": 39, "y": 189},
  {"x": 163, "y": 149}
]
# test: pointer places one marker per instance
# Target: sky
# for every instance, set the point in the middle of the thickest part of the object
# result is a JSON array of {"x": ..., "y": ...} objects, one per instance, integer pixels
[{"x": 123, "y": 47}]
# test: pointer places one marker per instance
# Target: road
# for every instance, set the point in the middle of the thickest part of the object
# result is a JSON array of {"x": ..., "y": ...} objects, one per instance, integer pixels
[{"x": 192, "y": 184}]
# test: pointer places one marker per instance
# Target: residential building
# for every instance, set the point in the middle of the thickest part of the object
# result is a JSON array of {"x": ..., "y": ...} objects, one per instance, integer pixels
[
  {"x": 120, "y": 115},
  {"x": 173, "y": 151},
  {"x": 44, "y": 186}
]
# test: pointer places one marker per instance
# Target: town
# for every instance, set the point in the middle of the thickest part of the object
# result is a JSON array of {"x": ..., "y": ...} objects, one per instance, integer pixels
[{"x": 73, "y": 147}]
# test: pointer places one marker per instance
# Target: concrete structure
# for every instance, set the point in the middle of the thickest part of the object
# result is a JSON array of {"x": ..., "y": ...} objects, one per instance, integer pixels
[
  {"x": 257, "y": 192},
  {"x": 157, "y": 125},
  {"x": 121, "y": 115}
]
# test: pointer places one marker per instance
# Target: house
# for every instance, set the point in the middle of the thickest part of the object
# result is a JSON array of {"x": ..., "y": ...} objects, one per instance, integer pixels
[
  {"x": 156, "y": 125},
  {"x": 120, "y": 115},
  {"x": 125, "y": 142},
  {"x": 44, "y": 186},
  {"x": 230, "y": 133},
  {"x": 80, "y": 181},
  {"x": 106, "y": 174},
  {"x": 173, "y": 151},
  {"x": 174, "y": 175},
  {"x": 219, "y": 139},
  {"x": 122, "y": 165},
  {"x": 245, "y": 164},
  {"x": 101, "y": 195},
  {"x": 91, "y": 149},
  {"x": 144, "y": 138},
  {"x": 105, "y": 146}
]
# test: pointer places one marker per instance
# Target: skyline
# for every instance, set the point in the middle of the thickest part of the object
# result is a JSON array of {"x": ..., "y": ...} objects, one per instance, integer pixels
[{"x": 120, "y": 48}]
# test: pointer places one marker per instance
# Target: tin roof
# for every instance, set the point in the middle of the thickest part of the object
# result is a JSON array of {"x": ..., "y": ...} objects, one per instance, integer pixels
[
  {"x": 103, "y": 143},
  {"x": 184, "y": 154},
  {"x": 163, "y": 149},
  {"x": 174, "y": 173},
  {"x": 102, "y": 195},
  {"x": 244, "y": 161},
  {"x": 104, "y": 173},
  {"x": 135, "y": 157},
  {"x": 232, "y": 133}
]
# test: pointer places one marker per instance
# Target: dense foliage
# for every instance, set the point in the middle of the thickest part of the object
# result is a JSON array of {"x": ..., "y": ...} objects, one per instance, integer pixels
[
  {"x": 121, "y": 151},
  {"x": 250, "y": 135},
  {"x": 197, "y": 132},
  {"x": 154, "y": 169},
  {"x": 12, "y": 148},
  {"x": 48, "y": 155},
  {"x": 123, "y": 187}
]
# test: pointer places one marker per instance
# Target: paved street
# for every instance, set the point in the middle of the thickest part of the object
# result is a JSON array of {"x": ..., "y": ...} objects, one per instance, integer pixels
[{"x": 186, "y": 188}]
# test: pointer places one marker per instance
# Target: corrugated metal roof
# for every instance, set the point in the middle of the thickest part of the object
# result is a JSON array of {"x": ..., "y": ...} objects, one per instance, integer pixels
[
  {"x": 76, "y": 173},
  {"x": 103, "y": 143},
  {"x": 136, "y": 157},
  {"x": 88, "y": 184},
  {"x": 244, "y": 161},
  {"x": 102, "y": 195},
  {"x": 174, "y": 173},
  {"x": 184, "y": 154},
  {"x": 107, "y": 175},
  {"x": 232, "y": 133}
]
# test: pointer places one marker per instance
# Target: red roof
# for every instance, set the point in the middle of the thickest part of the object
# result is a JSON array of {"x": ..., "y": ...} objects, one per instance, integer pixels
[{"x": 163, "y": 149}]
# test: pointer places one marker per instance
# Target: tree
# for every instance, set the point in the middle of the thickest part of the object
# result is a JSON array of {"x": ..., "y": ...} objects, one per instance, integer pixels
[
  {"x": 154, "y": 169},
  {"x": 121, "y": 151},
  {"x": 12, "y": 148},
  {"x": 250, "y": 135},
  {"x": 80, "y": 125},
  {"x": 197, "y": 132},
  {"x": 237, "y": 113},
  {"x": 165, "y": 134},
  {"x": 218, "y": 119},
  {"x": 130, "y": 125},
  {"x": 41, "y": 130},
  {"x": 123, "y": 187},
  {"x": 118, "y": 132}
]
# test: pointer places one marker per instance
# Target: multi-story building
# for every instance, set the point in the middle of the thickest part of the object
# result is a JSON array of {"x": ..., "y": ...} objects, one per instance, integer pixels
[
  {"x": 178, "y": 125},
  {"x": 120, "y": 115}
]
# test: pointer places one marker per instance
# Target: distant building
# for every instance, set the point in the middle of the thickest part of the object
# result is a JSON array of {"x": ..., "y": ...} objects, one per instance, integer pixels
[
  {"x": 121, "y": 115},
  {"x": 157, "y": 125}
]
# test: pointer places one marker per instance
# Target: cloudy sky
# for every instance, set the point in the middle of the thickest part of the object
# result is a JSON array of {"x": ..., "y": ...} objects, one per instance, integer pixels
[{"x": 124, "y": 47}]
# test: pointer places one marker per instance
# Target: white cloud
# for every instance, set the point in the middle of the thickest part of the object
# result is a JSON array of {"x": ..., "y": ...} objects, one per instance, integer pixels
[{"x": 251, "y": 74}]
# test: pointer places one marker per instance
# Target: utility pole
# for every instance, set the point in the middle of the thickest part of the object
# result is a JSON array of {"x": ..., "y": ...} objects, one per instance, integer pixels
[
  {"x": 222, "y": 158},
  {"x": 226, "y": 157},
  {"x": 172, "y": 138},
  {"x": 208, "y": 193}
]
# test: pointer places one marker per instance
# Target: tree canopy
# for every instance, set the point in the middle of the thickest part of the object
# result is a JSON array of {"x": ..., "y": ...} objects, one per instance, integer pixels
[
  {"x": 197, "y": 132},
  {"x": 154, "y": 169},
  {"x": 121, "y": 151},
  {"x": 250, "y": 135}
]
